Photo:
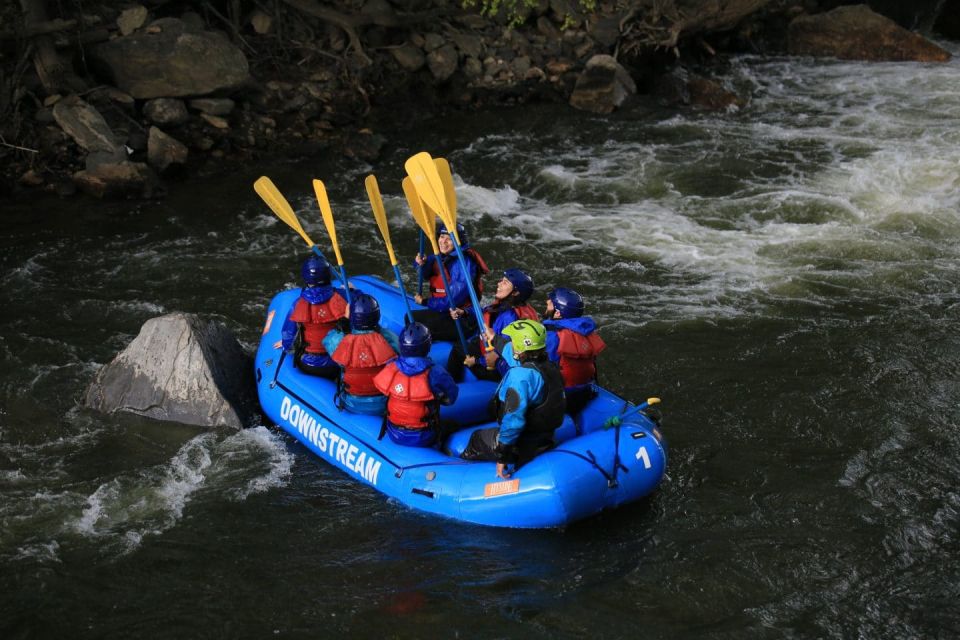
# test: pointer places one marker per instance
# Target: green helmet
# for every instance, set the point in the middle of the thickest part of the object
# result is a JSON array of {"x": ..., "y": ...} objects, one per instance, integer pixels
[{"x": 526, "y": 335}]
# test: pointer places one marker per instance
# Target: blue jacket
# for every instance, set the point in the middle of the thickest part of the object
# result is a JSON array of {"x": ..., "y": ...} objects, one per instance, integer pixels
[
  {"x": 457, "y": 292},
  {"x": 525, "y": 388}
]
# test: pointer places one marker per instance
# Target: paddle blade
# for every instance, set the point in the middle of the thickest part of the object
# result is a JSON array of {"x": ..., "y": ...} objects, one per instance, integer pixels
[
  {"x": 327, "y": 214},
  {"x": 379, "y": 214},
  {"x": 429, "y": 186},
  {"x": 423, "y": 220},
  {"x": 269, "y": 193},
  {"x": 446, "y": 178}
]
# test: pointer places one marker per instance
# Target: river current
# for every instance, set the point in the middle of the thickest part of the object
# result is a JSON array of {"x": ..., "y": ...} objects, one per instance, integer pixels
[{"x": 786, "y": 277}]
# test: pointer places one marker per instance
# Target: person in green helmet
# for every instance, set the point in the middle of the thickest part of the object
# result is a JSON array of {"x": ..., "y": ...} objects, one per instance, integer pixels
[{"x": 529, "y": 402}]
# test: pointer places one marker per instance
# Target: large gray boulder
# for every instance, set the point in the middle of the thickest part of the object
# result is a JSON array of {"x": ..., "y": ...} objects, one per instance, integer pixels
[
  {"x": 169, "y": 59},
  {"x": 181, "y": 369},
  {"x": 857, "y": 33},
  {"x": 603, "y": 86}
]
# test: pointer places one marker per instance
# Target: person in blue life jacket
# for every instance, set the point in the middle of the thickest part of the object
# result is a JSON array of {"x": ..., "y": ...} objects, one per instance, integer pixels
[
  {"x": 509, "y": 305},
  {"x": 529, "y": 403},
  {"x": 361, "y": 354},
  {"x": 415, "y": 388},
  {"x": 438, "y": 316},
  {"x": 317, "y": 312},
  {"x": 574, "y": 344}
]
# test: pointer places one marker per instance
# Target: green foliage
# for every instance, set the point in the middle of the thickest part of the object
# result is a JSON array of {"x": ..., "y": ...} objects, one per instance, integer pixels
[{"x": 516, "y": 11}]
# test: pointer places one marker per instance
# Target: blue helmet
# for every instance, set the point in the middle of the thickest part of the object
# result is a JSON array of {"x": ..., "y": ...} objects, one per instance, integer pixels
[
  {"x": 567, "y": 301},
  {"x": 522, "y": 283},
  {"x": 315, "y": 271},
  {"x": 461, "y": 233},
  {"x": 415, "y": 340},
  {"x": 364, "y": 312}
]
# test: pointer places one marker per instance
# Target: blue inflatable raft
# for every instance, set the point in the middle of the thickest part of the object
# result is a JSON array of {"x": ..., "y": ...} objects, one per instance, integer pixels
[{"x": 592, "y": 467}]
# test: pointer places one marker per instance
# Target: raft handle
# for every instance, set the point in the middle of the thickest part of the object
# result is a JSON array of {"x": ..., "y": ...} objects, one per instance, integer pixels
[{"x": 422, "y": 492}]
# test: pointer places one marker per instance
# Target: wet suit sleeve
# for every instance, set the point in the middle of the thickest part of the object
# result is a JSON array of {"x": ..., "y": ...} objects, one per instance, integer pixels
[{"x": 443, "y": 385}]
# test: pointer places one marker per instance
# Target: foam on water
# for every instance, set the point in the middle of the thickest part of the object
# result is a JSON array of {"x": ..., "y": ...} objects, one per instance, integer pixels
[
  {"x": 828, "y": 174},
  {"x": 123, "y": 511}
]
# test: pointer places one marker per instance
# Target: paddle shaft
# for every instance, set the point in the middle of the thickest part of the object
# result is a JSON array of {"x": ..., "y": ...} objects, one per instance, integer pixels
[
  {"x": 403, "y": 292},
  {"x": 637, "y": 409}
]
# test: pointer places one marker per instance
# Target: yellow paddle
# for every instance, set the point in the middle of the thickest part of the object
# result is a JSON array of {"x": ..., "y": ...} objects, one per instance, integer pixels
[
  {"x": 423, "y": 172},
  {"x": 278, "y": 204},
  {"x": 420, "y": 216},
  {"x": 282, "y": 209},
  {"x": 446, "y": 178},
  {"x": 327, "y": 214},
  {"x": 380, "y": 214}
]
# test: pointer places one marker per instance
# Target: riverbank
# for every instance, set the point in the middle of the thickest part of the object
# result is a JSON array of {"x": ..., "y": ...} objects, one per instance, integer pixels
[{"x": 120, "y": 102}]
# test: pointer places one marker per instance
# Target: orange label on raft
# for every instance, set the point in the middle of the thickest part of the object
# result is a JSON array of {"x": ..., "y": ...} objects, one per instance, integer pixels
[
  {"x": 266, "y": 327},
  {"x": 494, "y": 489}
]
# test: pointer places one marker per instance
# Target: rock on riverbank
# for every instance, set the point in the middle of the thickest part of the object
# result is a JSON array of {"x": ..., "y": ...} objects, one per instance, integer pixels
[{"x": 162, "y": 91}]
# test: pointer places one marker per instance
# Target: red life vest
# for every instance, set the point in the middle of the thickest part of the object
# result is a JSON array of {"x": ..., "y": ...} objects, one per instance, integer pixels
[
  {"x": 410, "y": 400},
  {"x": 578, "y": 356},
  {"x": 318, "y": 320},
  {"x": 436, "y": 280},
  {"x": 362, "y": 357}
]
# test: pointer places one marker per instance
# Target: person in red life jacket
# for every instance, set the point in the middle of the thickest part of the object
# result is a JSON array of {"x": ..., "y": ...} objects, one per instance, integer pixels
[
  {"x": 438, "y": 316},
  {"x": 573, "y": 343},
  {"x": 529, "y": 402},
  {"x": 362, "y": 353},
  {"x": 317, "y": 311},
  {"x": 509, "y": 305},
  {"x": 415, "y": 389}
]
